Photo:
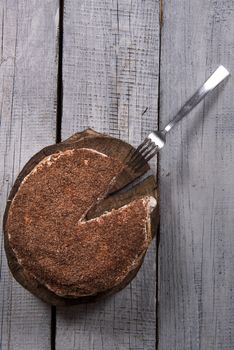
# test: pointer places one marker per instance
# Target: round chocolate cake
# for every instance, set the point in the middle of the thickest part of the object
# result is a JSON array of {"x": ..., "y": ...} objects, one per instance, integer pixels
[{"x": 68, "y": 238}]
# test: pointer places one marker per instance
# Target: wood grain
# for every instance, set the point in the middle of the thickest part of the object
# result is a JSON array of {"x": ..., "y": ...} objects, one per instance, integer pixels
[
  {"x": 110, "y": 83},
  {"x": 28, "y": 72},
  {"x": 196, "y": 180}
]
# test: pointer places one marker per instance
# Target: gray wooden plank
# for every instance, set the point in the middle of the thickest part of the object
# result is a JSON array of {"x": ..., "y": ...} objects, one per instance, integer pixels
[
  {"x": 28, "y": 81},
  {"x": 110, "y": 78},
  {"x": 196, "y": 282}
]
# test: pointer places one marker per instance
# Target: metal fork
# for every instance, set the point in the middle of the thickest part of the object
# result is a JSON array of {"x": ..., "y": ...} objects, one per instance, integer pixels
[{"x": 157, "y": 139}]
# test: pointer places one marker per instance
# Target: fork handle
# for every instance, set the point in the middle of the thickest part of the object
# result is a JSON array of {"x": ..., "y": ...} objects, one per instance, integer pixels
[{"x": 211, "y": 83}]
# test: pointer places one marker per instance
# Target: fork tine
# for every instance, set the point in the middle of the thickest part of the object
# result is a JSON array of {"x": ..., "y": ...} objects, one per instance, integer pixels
[
  {"x": 129, "y": 155},
  {"x": 144, "y": 145},
  {"x": 148, "y": 150},
  {"x": 141, "y": 147},
  {"x": 135, "y": 154},
  {"x": 144, "y": 157},
  {"x": 137, "y": 165},
  {"x": 151, "y": 155},
  {"x": 135, "y": 159},
  {"x": 139, "y": 160}
]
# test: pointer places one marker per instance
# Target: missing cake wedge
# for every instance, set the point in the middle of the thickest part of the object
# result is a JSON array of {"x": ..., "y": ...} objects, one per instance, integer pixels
[{"x": 67, "y": 239}]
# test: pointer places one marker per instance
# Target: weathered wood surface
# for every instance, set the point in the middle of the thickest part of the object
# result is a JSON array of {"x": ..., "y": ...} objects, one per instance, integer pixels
[
  {"x": 27, "y": 123},
  {"x": 110, "y": 78},
  {"x": 110, "y": 83},
  {"x": 196, "y": 281}
]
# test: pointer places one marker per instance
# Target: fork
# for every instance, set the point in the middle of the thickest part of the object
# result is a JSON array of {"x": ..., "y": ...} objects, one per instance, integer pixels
[{"x": 136, "y": 158}]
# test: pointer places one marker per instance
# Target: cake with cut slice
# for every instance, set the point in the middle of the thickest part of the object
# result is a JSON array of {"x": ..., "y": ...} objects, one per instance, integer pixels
[{"x": 67, "y": 239}]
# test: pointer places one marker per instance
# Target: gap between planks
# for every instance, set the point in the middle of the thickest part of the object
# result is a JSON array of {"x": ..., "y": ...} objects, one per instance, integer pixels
[
  {"x": 157, "y": 173},
  {"x": 59, "y": 113}
]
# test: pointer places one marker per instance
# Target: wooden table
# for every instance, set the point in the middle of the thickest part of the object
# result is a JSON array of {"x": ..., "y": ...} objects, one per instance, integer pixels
[{"x": 124, "y": 67}]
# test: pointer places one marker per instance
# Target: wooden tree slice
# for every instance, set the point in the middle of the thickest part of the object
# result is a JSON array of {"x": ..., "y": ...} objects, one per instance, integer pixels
[{"x": 106, "y": 145}]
